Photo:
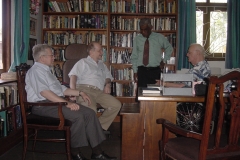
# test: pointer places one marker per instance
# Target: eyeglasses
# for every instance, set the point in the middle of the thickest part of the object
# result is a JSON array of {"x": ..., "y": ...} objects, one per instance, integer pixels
[{"x": 52, "y": 55}]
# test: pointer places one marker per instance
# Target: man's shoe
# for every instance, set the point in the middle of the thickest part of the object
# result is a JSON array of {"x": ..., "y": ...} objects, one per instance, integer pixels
[
  {"x": 103, "y": 156},
  {"x": 78, "y": 157}
]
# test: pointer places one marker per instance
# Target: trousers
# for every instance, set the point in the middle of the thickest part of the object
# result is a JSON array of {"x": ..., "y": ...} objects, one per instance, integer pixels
[
  {"x": 110, "y": 104},
  {"x": 85, "y": 128}
]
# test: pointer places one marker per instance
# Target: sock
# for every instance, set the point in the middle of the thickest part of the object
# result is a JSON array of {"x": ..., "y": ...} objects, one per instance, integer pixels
[
  {"x": 97, "y": 150},
  {"x": 74, "y": 151}
]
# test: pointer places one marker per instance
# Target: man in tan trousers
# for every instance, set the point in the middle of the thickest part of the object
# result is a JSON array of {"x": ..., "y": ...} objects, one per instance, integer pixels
[{"x": 92, "y": 76}]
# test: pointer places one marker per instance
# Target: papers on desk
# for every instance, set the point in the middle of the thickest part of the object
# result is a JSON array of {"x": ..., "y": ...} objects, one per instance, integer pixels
[
  {"x": 150, "y": 90},
  {"x": 154, "y": 86}
]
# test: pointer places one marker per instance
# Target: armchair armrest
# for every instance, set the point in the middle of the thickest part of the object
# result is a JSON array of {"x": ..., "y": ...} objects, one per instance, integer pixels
[
  {"x": 59, "y": 104},
  {"x": 173, "y": 128}
]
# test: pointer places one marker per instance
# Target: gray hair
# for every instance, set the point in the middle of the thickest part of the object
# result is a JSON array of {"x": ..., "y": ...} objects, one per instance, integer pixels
[
  {"x": 39, "y": 50},
  {"x": 145, "y": 21},
  {"x": 199, "y": 48}
]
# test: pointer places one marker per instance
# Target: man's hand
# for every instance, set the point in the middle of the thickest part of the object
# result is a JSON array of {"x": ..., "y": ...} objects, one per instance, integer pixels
[
  {"x": 107, "y": 88},
  {"x": 135, "y": 77},
  {"x": 85, "y": 98},
  {"x": 162, "y": 64},
  {"x": 73, "y": 106}
]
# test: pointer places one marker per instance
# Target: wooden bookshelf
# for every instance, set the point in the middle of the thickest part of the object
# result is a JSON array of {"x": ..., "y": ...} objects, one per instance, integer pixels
[
  {"x": 16, "y": 135},
  {"x": 113, "y": 18}
]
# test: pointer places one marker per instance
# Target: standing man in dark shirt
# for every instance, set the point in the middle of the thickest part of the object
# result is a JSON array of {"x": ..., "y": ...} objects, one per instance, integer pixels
[{"x": 147, "y": 54}]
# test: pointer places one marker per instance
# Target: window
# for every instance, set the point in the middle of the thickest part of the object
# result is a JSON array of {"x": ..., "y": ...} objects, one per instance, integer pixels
[
  {"x": 1, "y": 65},
  {"x": 211, "y": 23}
]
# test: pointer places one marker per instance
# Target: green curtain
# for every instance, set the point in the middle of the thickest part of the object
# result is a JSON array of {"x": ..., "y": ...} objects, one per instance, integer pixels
[
  {"x": 21, "y": 32},
  {"x": 233, "y": 35},
  {"x": 186, "y": 30}
]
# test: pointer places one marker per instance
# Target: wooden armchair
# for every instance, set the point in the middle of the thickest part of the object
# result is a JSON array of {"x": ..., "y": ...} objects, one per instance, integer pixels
[
  {"x": 224, "y": 143},
  {"x": 33, "y": 123}
]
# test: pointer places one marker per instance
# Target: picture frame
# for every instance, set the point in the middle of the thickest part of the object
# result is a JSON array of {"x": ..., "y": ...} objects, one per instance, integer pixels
[
  {"x": 33, "y": 26},
  {"x": 32, "y": 42}
]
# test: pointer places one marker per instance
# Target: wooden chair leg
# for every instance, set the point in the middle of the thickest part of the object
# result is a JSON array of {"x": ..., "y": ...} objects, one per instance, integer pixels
[
  {"x": 25, "y": 141},
  {"x": 68, "y": 144},
  {"x": 35, "y": 137}
]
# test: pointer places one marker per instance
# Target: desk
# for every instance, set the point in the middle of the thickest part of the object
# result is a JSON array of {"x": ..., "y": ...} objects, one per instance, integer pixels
[{"x": 141, "y": 133}]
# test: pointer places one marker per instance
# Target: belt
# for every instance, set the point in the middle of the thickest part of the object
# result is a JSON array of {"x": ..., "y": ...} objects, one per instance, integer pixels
[
  {"x": 148, "y": 68},
  {"x": 89, "y": 86}
]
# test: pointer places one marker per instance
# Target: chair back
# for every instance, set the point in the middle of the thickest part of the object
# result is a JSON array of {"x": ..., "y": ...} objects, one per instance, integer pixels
[
  {"x": 227, "y": 117},
  {"x": 21, "y": 74},
  {"x": 73, "y": 53}
]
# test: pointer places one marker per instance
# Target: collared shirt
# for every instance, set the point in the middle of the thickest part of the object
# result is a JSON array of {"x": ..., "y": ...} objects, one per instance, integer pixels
[
  {"x": 200, "y": 71},
  {"x": 157, "y": 42},
  {"x": 90, "y": 72},
  {"x": 39, "y": 78}
]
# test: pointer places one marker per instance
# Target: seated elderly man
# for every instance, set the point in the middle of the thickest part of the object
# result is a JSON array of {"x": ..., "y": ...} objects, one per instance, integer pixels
[{"x": 201, "y": 68}]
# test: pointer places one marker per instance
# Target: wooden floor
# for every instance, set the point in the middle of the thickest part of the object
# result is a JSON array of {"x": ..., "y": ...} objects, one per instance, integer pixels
[{"x": 112, "y": 146}]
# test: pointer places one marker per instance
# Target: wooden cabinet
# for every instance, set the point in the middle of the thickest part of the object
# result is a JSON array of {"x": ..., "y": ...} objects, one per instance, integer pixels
[
  {"x": 114, "y": 23},
  {"x": 10, "y": 115}
]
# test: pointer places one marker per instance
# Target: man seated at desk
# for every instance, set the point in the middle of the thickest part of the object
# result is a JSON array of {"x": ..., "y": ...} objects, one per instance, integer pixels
[{"x": 200, "y": 70}]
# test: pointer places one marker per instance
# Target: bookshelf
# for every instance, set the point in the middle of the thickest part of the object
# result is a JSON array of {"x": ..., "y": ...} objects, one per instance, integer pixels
[
  {"x": 114, "y": 23},
  {"x": 10, "y": 128}
]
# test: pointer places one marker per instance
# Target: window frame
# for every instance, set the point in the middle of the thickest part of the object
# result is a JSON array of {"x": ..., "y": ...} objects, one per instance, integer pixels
[
  {"x": 6, "y": 35},
  {"x": 207, "y": 7}
]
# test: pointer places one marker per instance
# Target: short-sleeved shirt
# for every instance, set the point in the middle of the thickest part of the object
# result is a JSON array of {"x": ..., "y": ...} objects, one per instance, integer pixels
[
  {"x": 39, "y": 78},
  {"x": 90, "y": 72},
  {"x": 200, "y": 71}
]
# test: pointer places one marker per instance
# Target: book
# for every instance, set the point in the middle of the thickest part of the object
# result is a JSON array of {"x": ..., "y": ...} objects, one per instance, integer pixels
[
  {"x": 3, "y": 119},
  {"x": 150, "y": 90},
  {"x": 18, "y": 116}
]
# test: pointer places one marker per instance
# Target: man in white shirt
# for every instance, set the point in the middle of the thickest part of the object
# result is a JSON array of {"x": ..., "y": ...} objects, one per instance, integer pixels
[{"x": 92, "y": 76}]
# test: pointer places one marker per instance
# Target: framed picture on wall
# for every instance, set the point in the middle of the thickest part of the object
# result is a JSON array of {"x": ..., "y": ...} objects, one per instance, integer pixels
[
  {"x": 32, "y": 42},
  {"x": 33, "y": 26}
]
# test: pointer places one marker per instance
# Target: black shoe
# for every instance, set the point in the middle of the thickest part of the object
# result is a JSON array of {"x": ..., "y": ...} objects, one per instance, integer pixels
[
  {"x": 78, "y": 157},
  {"x": 102, "y": 156}
]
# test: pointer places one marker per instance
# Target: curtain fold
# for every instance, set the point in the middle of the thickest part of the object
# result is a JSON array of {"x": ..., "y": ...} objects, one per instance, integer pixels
[
  {"x": 186, "y": 30},
  {"x": 232, "y": 59},
  {"x": 21, "y": 32}
]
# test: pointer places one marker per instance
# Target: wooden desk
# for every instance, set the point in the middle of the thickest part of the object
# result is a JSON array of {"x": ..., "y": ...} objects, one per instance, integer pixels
[{"x": 140, "y": 132}]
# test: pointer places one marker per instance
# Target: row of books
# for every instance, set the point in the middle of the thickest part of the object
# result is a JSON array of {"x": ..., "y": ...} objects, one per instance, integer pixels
[
  {"x": 122, "y": 39},
  {"x": 120, "y": 57},
  {"x": 158, "y": 23},
  {"x": 78, "y": 6},
  {"x": 125, "y": 90},
  {"x": 122, "y": 74},
  {"x": 143, "y": 6},
  {"x": 10, "y": 120},
  {"x": 66, "y": 38},
  {"x": 77, "y": 21},
  {"x": 8, "y": 95},
  {"x": 59, "y": 54}
]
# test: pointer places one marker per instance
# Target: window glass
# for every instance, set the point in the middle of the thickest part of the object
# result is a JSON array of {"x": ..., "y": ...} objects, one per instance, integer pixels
[
  {"x": 201, "y": 1},
  {"x": 218, "y": 32},
  {"x": 218, "y": 1},
  {"x": 199, "y": 25}
]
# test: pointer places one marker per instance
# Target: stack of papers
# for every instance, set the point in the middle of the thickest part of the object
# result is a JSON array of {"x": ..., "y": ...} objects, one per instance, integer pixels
[{"x": 151, "y": 90}]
